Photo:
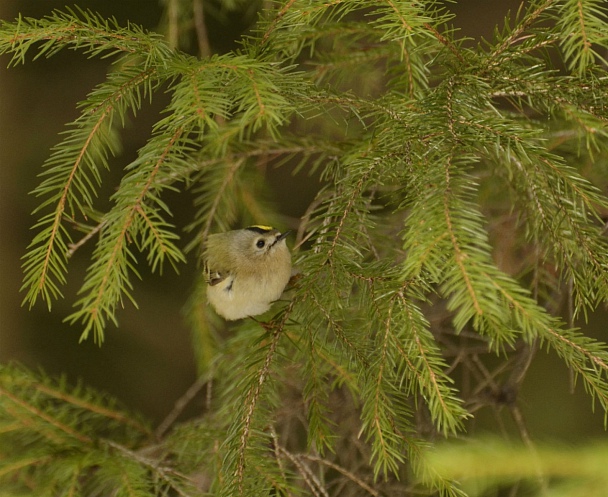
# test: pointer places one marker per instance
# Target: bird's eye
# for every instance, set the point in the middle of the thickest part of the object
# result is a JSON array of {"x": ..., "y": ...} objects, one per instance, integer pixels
[{"x": 260, "y": 243}]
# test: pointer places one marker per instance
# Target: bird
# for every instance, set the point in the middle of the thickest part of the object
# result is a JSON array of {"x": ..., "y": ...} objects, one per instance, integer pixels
[{"x": 246, "y": 270}]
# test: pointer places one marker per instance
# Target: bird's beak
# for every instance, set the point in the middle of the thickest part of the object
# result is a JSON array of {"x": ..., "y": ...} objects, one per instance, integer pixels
[{"x": 282, "y": 236}]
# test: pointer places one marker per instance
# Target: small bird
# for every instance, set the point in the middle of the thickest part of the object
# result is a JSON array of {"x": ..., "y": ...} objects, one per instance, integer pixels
[{"x": 246, "y": 270}]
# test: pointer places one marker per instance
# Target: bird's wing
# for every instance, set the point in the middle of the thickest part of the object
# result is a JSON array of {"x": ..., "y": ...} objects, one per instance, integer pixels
[{"x": 213, "y": 277}]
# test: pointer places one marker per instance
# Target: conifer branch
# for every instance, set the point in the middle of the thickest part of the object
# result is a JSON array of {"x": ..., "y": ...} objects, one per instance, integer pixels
[
  {"x": 250, "y": 402},
  {"x": 44, "y": 417},
  {"x": 583, "y": 24},
  {"x": 277, "y": 18},
  {"x": 424, "y": 144},
  {"x": 516, "y": 33},
  {"x": 459, "y": 256},
  {"x": 353, "y": 197},
  {"x": 338, "y": 329},
  {"x": 111, "y": 268},
  {"x": 386, "y": 457},
  {"x": 69, "y": 186},
  {"x": 95, "y": 408},
  {"x": 79, "y": 28},
  {"x": 24, "y": 464},
  {"x": 430, "y": 382},
  {"x": 220, "y": 193}
]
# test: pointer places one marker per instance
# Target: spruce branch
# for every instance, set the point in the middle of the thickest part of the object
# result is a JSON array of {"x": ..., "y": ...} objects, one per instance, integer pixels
[
  {"x": 380, "y": 412},
  {"x": 37, "y": 415},
  {"x": 251, "y": 400},
  {"x": 316, "y": 393},
  {"x": 583, "y": 26},
  {"x": 459, "y": 256},
  {"x": 79, "y": 402},
  {"x": 77, "y": 29},
  {"x": 109, "y": 274},
  {"x": 51, "y": 432},
  {"x": 455, "y": 218},
  {"x": 73, "y": 176},
  {"x": 586, "y": 357},
  {"x": 517, "y": 34},
  {"x": 216, "y": 197},
  {"x": 46, "y": 265},
  {"x": 430, "y": 379}
]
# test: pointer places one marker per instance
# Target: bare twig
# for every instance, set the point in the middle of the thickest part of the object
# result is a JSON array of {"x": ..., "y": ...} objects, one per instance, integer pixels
[
  {"x": 307, "y": 475},
  {"x": 181, "y": 404},
  {"x": 343, "y": 471},
  {"x": 276, "y": 447},
  {"x": 164, "y": 473},
  {"x": 522, "y": 364},
  {"x": 305, "y": 221},
  {"x": 73, "y": 247}
]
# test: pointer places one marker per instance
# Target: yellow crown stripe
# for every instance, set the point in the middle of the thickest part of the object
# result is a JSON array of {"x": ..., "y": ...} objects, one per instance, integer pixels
[{"x": 261, "y": 227}]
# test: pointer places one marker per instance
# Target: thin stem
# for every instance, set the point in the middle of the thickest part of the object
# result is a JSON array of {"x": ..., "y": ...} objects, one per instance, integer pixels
[{"x": 202, "y": 36}]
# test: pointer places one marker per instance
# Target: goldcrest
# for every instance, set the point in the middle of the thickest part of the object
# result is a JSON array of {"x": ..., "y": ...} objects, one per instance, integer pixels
[{"x": 246, "y": 270}]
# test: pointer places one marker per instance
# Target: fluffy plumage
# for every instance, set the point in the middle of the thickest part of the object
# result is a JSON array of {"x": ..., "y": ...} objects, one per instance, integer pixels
[{"x": 246, "y": 270}]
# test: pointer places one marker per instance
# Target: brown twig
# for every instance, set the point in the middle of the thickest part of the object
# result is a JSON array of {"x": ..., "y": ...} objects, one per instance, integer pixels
[
  {"x": 73, "y": 247},
  {"x": 343, "y": 471},
  {"x": 307, "y": 475},
  {"x": 180, "y": 405}
]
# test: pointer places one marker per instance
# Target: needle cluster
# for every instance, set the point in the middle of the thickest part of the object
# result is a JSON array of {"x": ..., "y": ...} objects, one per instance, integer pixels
[{"x": 461, "y": 214}]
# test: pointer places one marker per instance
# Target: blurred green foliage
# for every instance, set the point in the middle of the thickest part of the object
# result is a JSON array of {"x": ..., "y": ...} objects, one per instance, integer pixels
[{"x": 452, "y": 222}]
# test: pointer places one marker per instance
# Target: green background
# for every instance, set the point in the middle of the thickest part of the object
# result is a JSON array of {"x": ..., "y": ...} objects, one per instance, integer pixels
[{"x": 148, "y": 361}]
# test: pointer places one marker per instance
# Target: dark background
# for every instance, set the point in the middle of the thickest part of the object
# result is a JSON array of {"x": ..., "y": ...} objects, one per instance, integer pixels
[{"x": 148, "y": 361}]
